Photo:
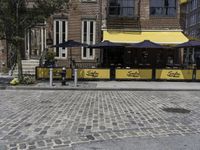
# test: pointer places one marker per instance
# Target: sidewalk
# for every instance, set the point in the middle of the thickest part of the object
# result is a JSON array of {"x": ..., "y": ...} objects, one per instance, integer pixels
[{"x": 114, "y": 85}]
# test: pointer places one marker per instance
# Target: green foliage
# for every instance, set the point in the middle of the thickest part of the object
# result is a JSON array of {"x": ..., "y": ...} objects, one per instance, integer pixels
[
  {"x": 28, "y": 80},
  {"x": 16, "y": 16},
  {"x": 50, "y": 56},
  {"x": 15, "y": 81}
]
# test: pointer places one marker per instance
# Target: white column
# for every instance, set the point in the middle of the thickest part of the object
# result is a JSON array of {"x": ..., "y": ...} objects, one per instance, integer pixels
[
  {"x": 28, "y": 44},
  {"x": 51, "y": 77},
  {"x": 75, "y": 77},
  {"x": 42, "y": 40},
  {"x": 45, "y": 38}
]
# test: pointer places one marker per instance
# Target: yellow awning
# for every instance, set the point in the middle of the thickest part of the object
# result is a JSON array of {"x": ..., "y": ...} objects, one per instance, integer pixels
[
  {"x": 175, "y": 37},
  {"x": 183, "y": 1}
]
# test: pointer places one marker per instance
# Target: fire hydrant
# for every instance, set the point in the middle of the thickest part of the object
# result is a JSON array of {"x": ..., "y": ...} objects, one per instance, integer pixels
[{"x": 63, "y": 75}]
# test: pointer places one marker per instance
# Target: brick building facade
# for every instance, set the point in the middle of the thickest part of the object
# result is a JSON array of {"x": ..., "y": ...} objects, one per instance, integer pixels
[
  {"x": 133, "y": 21},
  {"x": 121, "y": 21},
  {"x": 192, "y": 20},
  {"x": 81, "y": 22}
]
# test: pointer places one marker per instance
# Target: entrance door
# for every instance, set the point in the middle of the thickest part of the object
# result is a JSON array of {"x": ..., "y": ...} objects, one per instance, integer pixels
[{"x": 35, "y": 42}]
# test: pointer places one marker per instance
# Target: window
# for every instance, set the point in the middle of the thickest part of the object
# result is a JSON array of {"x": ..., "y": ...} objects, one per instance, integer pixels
[
  {"x": 122, "y": 8},
  {"x": 193, "y": 19},
  {"x": 163, "y": 8},
  {"x": 193, "y": 5},
  {"x": 88, "y": 37},
  {"x": 60, "y": 35}
]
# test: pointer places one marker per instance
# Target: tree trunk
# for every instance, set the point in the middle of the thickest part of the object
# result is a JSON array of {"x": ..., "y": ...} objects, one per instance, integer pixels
[
  {"x": 19, "y": 60},
  {"x": 19, "y": 64}
]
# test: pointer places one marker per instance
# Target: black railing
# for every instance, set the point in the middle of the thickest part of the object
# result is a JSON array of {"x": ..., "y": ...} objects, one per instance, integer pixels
[
  {"x": 163, "y": 11},
  {"x": 117, "y": 11}
]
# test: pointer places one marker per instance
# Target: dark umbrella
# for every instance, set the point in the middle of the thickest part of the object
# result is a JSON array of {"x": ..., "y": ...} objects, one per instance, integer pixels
[
  {"x": 190, "y": 43},
  {"x": 70, "y": 44},
  {"x": 106, "y": 44},
  {"x": 147, "y": 44}
]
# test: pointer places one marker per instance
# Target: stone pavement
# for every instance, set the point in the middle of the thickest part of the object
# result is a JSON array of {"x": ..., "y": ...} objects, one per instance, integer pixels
[
  {"x": 48, "y": 120},
  {"x": 175, "y": 142}
]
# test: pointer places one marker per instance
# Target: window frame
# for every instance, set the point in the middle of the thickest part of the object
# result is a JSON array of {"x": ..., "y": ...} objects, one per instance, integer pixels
[
  {"x": 88, "y": 40},
  {"x": 163, "y": 6},
  {"x": 60, "y": 36}
]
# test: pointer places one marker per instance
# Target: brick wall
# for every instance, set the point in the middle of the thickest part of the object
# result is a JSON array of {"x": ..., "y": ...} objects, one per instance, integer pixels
[
  {"x": 151, "y": 22},
  {"x": 77, "y": 12}
]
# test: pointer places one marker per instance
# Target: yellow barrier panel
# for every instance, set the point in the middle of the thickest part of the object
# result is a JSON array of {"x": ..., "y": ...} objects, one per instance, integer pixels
[
  {"x": 174, "y": 74},
  {"x": 144, "y": 74},
  {"x": 43, "y": 73},
  {"x": 197, "y": 74},
  {"x": 94, "y": 73}
]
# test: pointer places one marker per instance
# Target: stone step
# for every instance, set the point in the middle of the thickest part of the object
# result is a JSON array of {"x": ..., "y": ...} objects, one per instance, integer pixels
[
  {"x": 31, "y": 72},
  {"x": 30, "y": 61},
  {"x": 28, "y": 67}
]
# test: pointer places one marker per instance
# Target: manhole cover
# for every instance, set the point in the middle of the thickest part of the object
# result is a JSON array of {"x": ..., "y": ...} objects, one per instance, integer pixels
[
  {"x": 177, "y": 110},
  {"x": 45, "y": 102}
]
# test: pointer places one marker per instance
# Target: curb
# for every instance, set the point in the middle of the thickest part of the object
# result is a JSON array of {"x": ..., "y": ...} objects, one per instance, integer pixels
[
  {"x": 2, "y": 87},
  {"x": 92, "y": 89}
]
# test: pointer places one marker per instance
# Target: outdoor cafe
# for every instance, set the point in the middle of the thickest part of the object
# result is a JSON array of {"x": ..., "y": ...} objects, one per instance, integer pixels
[{"x": 145, "y": 60}]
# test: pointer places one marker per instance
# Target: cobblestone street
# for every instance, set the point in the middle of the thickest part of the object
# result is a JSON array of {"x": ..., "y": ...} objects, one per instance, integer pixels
[{"x": 59, "y": 119}]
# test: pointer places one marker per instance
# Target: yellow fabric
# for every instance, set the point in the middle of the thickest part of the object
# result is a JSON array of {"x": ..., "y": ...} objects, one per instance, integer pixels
[
  {"x": 174, "y": 74},
  {"x": 183, "y": 1},
  {"x": 134, "y": 74},
  {"x": 94, "y": 73},
  {"x": 197, "y": 74},
  {"x": 43, "y": 73},
  {"x": 175, "y": 37}
]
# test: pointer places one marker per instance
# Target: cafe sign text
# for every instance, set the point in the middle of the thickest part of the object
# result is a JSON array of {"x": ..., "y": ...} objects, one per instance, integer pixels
[{"x": 174, "y": 74}]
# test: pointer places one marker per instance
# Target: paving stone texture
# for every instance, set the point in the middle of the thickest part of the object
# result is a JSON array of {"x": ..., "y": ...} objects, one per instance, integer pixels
[{"x": 47, "y": 120}]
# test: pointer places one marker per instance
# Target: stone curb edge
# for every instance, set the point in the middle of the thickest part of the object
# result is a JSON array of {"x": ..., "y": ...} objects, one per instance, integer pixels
[
  {"x": 2, "y": 87},
  {"x": 92, "y": 89}
]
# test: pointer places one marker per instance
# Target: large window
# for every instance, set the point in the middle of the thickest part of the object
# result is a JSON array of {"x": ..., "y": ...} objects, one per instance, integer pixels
[
  {"x": 60, "y": 35},
  {"x": 122, "y": 8},
  {"x": 163, "y": 8},
  {"x": 88, "y": 37}
]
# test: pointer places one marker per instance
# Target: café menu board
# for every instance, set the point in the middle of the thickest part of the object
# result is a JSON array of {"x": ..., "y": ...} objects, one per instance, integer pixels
[
  {"x": 128, "y": 74},
  {"x": 174, "y": 74},
  {"x": 94, "y": 73}
]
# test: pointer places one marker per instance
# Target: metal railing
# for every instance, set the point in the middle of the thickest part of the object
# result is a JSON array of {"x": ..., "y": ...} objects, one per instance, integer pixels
[{"x": 163, "y": 11}]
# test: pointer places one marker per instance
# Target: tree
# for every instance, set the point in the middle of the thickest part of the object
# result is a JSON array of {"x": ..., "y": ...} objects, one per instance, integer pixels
[{"x": 16, "y": 16}]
